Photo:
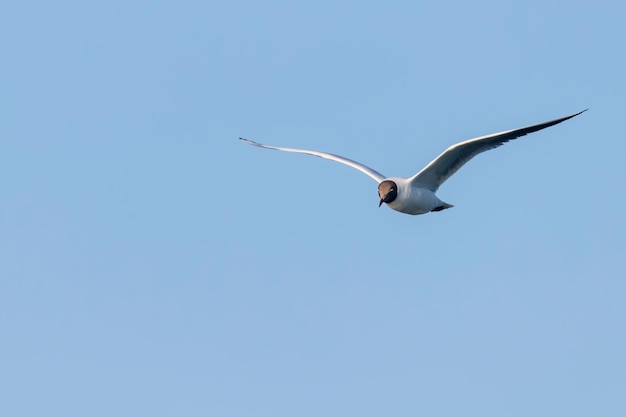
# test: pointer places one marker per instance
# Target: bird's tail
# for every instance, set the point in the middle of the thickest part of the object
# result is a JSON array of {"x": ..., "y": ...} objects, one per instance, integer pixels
[{"x": 442, "y": 206}]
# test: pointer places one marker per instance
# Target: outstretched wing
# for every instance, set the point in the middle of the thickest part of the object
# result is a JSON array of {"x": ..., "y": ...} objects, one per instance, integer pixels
[
  {"x": 453, "y": 158},
  {"x": 356, "y": 165}
]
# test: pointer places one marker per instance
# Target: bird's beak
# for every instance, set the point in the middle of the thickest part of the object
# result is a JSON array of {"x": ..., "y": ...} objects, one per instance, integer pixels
[{"x": 380, "y": 203}]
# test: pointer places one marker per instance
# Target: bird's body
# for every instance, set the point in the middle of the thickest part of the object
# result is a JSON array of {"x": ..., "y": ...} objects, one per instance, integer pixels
[
  {"x": 412, "y": 199},
  {"x": 416, "y": 194}
]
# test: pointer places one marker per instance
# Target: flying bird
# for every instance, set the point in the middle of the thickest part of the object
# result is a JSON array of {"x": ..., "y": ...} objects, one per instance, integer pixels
[{"x": 416, "y": 194}]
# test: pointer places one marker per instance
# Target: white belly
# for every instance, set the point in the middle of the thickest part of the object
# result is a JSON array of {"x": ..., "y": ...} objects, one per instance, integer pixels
[{"x": 415, "y": 200}]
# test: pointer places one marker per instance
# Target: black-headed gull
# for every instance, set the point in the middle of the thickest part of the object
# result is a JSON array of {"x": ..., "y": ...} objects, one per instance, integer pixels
[{"x": 416, "y": 195}]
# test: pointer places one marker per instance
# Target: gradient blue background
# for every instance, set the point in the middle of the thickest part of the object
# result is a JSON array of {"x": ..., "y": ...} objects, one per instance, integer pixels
[{"x": 153, "y": 265}]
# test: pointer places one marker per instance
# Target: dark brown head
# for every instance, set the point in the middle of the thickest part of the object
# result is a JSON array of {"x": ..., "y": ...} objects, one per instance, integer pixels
[{"x": 387, "y": 191}]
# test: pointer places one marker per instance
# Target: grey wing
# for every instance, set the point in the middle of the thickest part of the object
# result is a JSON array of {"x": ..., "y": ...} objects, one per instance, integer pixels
[
  {"x": 453, "y": 158},
  {"x": 356, "y": 165}
]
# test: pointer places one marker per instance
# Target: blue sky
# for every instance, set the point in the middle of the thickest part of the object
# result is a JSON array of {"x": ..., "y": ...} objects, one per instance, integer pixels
[{"x": 152, "y": 264}]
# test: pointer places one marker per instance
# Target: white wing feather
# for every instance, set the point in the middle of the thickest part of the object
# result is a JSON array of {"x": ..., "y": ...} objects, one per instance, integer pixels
[
  {"x": 453, "y": 158},
  {"x": 356, "y": 165}
]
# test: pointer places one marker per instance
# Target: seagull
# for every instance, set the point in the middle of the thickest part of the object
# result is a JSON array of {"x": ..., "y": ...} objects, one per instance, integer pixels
[{"x": 416, "y": 194}]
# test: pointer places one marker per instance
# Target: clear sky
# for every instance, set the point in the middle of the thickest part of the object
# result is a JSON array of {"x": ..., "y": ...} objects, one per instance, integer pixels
[{"x": 153, "y": 265}]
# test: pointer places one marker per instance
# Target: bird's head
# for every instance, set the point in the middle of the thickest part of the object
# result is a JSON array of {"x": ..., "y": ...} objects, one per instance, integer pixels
[{"x": 387, "y": 191}]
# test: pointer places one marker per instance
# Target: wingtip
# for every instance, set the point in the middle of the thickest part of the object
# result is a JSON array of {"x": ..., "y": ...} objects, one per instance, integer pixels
[
  {"x": 575, "y": 114},
  {"x": 248, "y": 141}
]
